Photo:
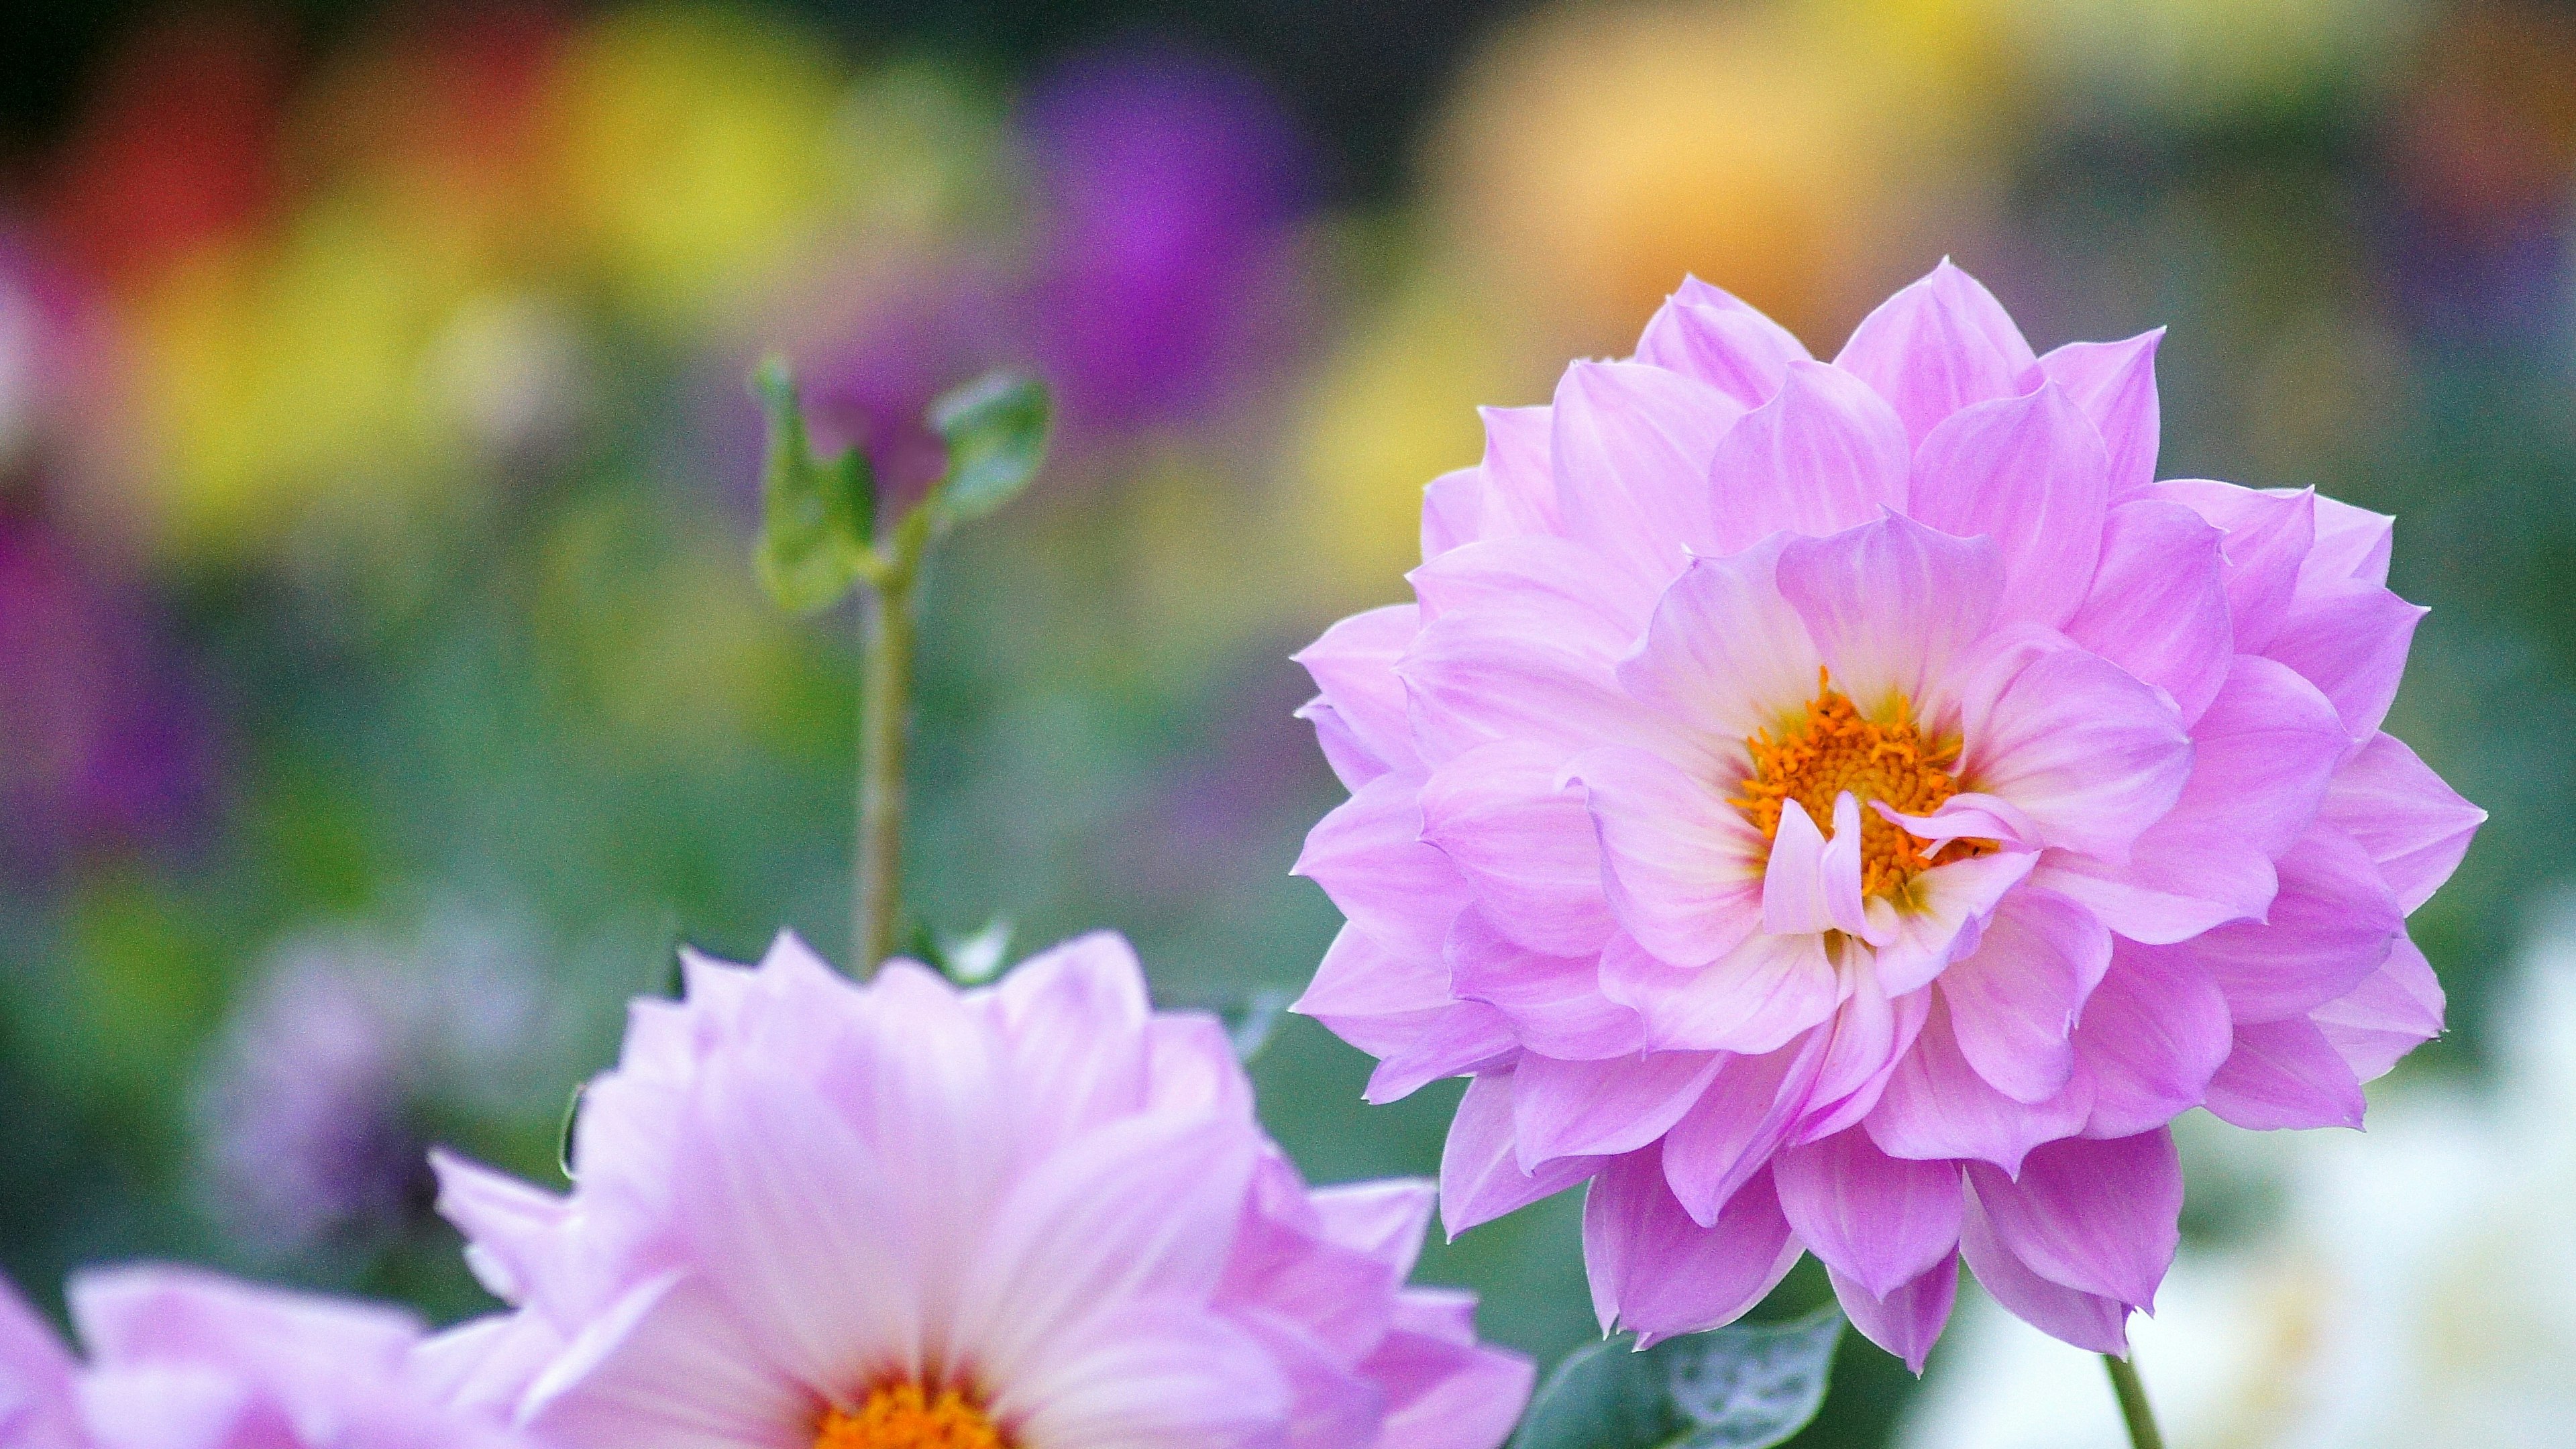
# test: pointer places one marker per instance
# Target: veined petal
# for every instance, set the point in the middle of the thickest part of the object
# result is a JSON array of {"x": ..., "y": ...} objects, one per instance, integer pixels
[
  {"x": 1374, "y": 998},
  {"x": 1882, "y": 1221},
  {"x": 2351, "y": 641},
  {"x": 2013, "y": 1004},
  {"x": 1825, "y": 453},
  {"x": 1656, "y": 1271},
  {"x": 2099, "y": 1216},
  {"x": 2115, "y": 385},
  {"x": 1683, "y": 868},
  {"x": 2330, "y": 926},
  {"x": 1754, "y": 999},
  {"x": 1724, "y": 647},
  {"x": 1906, "y": 1321},
  {"x": 1150, "y": 1374},
  {"x": 1733, "y": 1130},
  {"x": 1892, "y": 606},
  {"x": 1554, "y": 1002},
  {"x": 1480, "y": 1175},
  {"x": 2151, "y": 1036},
  {"x": 2268, "y": 539},
  {"x": 669, "y": 1367},
  {"x": 2158, "y": 603},
  {"x": 1369, "y": 856},
  {"x": 1604, "y": 1108},
  {"x": 2086, "y": 1320},
  {"x": 1705, "y": 333},
  {"x": 1944, "y": 914},
  {"x": 1525, "y": 844},
  {"x": 2285, "y": 1074},
  {"x": 1519, "y": 471},
  {"x": 2077, "y": 744},
  {"x": 1353, "y": 663},
  {"x": 2028, "y": 472},
  {"x": 1631, "y": 446},
  {"x": 2395, "y": 1009},
  {"x": 2413, "y": 825},
  {"x": 1940, "y": 345},
  {"x": 1936, "y": 1106}
]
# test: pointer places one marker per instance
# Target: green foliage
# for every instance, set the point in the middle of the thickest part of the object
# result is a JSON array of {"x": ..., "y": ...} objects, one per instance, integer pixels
[
  {"x": 996, "y": 431},
  {"x": 817, "y": 517},
  {"x": 1743, "y": 1387}
]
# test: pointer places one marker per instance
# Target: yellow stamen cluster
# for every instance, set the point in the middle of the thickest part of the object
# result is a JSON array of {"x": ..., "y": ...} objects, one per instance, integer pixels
[
  {"x": 1835, "y": 749},
  {"x": 906, "y": 1416}
]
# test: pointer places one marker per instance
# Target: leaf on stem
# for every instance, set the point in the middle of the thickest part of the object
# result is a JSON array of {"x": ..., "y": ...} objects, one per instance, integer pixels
[
  {"x": 817, "y": 516},
  {"x": 1746, "y": 1386},
  {"x": 996, "y": 431}
]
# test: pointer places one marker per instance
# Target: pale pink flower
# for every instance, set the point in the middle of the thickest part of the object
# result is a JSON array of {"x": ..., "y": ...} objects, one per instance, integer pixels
[
  {"x": 1853, "y": 807},
  {"x": 817, "y": 1215},
  {"x": 184, "y": 1359}
]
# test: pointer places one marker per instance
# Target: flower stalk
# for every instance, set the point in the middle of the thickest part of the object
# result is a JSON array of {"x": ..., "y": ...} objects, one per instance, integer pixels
[{"x": 2134, "y": 1413}]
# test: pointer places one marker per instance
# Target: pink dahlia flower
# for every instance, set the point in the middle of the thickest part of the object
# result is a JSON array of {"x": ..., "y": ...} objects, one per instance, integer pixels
[
  {"x": 183, "y": 1359},
  {"x": 1854, "y": 807},
  {"x": 817, "y": 1215}
]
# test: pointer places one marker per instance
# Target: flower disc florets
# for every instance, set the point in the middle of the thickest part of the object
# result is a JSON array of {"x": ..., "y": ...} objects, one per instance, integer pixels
[{"x": 1854, "y": 806}]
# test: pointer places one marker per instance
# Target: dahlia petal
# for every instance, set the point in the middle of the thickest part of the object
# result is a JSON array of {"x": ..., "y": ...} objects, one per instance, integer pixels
[
  {"x": 2352, "y": 543},
  {"x": 509, "y": 1226},
  {"x": 1753, "y": 999},
  {"x": 1708, "y": 334},
  {"x": 1683, "y": 869},
  {"x": 1150, "y": 1376},
  {"x": 2395, "y": 1009},
  {"x": 143, "y": 1406},
  {"x": 36, "y": 1372},
  {"x": 2351, "y": 640},
  {"x": 1191, "y": 1066},
  {"x": 1369, "y": 856},
  {"x": 1936, "y": 1106},
  {"x": 1526, "y": 846},
  {"x": 1561, "y": 585},
  {"x": 2158, "y": 603},
  {"x": 1631, "y": 444},
  {"x": 1453, "y": 511},
  {"x": 1373, "y": 998},
  {"x": 2028, "y": 472},
  {"x": 1656, "y": 1271},
  {"x": 1870, "y": 1035},
  {"x": 2330, "y": 926},
  {"x": 2114, "y": 383},
  {"x": 2096, "y": 1215},
  {"x": 2079, "y": 745},
  {"x": 2285, "y": 1074},
  {"x": 1519, "y": 470},
  {"x": 1736, "y": 1126},
  {"x": 2086, "y": 1320},
  {"x": 1940, "y": 345},
  {"x": 2151, "y": 1036},
  {"x": 1353, "y": 664},
  {"x": 1352, "y": 762},
  {"x": 669, "y": 1367},
  {"x": 1724, "y": 647},
  {"x": 1480, "y": 1175},
  {"x": 1891, "y": 605},
  {"x": 1824, "y": 454},
  {"x": 1446, "y": 1395},
  {"x": 2268, "y": 539},
  {"x": 1602, "y": 1109},
  {"x": 1554, "y": 1002},
  {"x": 147, "y": 1311},
  {"x": 2013, "y": 1004},
  {"x": 1968, "y": 815},
  {"x": 1907, "y": 1321},
  {"x": 1321, "y": 1400},
  {"x": 1881, "y": 1221},
  {"x": 1074, "y": 1016},
  {"x": 1465, "y": 1038},
  {"x": 1809, "y": 885},
  {"x": 1538, "y": 670},
  {"x": 2412, "y": 824},
  {"x": 1944, "y": 916}
]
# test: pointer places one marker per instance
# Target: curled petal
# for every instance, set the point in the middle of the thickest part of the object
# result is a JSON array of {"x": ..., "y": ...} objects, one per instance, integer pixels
[
  {"x": 2098, "y": 1216},
  {"x": 1525, "y": 845},
  {"x": 1656, "y": 1271},
  {"x": 1883, "y": 1221},
  {"x": 2158, "y": 602},
  {"x": 2152, "y": 1034},
  {"x": 2395, "y": 1009}
]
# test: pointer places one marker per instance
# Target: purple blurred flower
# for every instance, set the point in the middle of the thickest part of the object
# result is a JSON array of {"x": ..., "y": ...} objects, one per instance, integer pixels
[
  {"x": 103, "y": 742},
  {"x": 325, "y": 1089},
  {"x": 871, "y": 382},
  {"x": 1166, "y": 183}
]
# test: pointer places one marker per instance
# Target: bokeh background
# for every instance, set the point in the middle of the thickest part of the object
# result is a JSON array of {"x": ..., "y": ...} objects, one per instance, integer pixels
[{"x": 384, "y": 691}]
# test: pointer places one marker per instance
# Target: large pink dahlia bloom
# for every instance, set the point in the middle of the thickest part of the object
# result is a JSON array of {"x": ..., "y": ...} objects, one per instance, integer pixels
[
  {"x": 817, "y": 1215},
  {"x": 182, "y": 1359},
  {"x": 1854, "y": 807}
]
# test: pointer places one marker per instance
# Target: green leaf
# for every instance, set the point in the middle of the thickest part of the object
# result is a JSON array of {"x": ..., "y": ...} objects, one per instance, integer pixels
[
  {"x": 996, "y": 431},
  {"x": 1744, "y": 1387},
  {"x": 816, "y": 517}
]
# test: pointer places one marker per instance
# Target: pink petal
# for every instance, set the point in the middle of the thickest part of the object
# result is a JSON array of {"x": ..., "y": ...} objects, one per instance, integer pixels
[
  {"x": 2285, "y": 1074},
  {"x": 1555, "y": 1002},
  {"x": 1519, "y": 470},
  {"x": 2158, "y": 605},
  {"x": 2351, "y": 640},
  {"x": 1738, "y": 1123},
  {"x": 1352, "y": 762},
  {"x": 2085, "y": 1320},
  {"x": 1525, "y": 845},
  {"x": 510, "y": 1228},
  {"x": 1148, "y": 1374},
  {"x": 2152, "y": 1034},
  {"x": 1632, "y": 444},
  {"x": 1824, "y": 454},
  {"x": 1373, "y": 998},
  {"x": 1908, "y": 1321},
  {"x": 2329, "y": 927},
  {"x": 160, "y": 1311},
  {"x": 1684, "y": 869},
  {"x": 1466, "y": 1038},
  {"x": 1725, "y": 648},
  {"x": 1354, "y": 665},
  {"x": 1808, "y": 885},
  {"x": 1882, "y": 1221},
  {"x": 1944, "y": 915},
  {"x": 2395, "y": 1009},
  {"x": 1656, "y": 1271},
  {"x": 1705, "y": 333},
  {"x": 1891, "y": 606},
  {"x": 36, "y": 1372},
  {"x": 669, "y": 1367},
  {"x": 1871, "y": 1034},
  {"x": 2098, "y": 1216},
  {"x": 1369, "y": 856},
  {"x": 1480, "y": 1175},
  {"x": 1601, "y": 1109},
  {"x": 1936, "y": 1106},
  {"x": 1532, "y": 668},
  {"x": 1453, "y": 511},
  {"x": 2268, "y": 538},
  {"x": 2013, "y": 1004},
  {"x": 2115, "y": 385},
  {"x": 2077, "y": 744},
  {"x": 1936, "y": 347},
  {"x": 2028, "y": 472},
  {"x": 1585, "y": 594},
  {"x": 1752, "y": 999},
  {"x": 2412, "y": 824},
  {"x": 2352, "y": 543},
  {"x": 1075, "y": 1016},
  {"x": 1445, "y": 1395}
]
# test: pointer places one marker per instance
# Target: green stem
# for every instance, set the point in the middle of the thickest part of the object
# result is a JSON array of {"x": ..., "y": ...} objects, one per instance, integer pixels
[
  {"x": 885, "y": 702},
  {"x": 2133, "y": 1403}
]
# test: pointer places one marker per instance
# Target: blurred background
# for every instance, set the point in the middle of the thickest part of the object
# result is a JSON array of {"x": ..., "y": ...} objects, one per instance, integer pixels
[{"x": 384, "y": 691}]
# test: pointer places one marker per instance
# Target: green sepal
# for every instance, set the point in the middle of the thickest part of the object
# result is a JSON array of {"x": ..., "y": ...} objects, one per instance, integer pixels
[
  {"x": 817, "y": 516},
  {"x": 1747, "y": 1386},
  {"x": 996, "y": 430}
]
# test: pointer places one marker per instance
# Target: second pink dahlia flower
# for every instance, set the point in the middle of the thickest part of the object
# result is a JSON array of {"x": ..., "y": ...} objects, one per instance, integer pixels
[
  {"x": 817, "y": 1215},
  {"x": 1853, "y": 807}
]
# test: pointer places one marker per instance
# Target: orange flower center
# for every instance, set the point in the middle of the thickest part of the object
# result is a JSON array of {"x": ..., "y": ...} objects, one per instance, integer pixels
[
  {"x": 1835, "y": 749},
  {"x": 906, "y": 1416}
]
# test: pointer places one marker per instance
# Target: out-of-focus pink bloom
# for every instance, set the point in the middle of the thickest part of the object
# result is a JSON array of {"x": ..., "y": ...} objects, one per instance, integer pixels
[
  {"x": 1166, "y": 183},
  {"x": 183, "y": 1359},
  {"x": 815, "y": 1213},
  {"x": 1853, "y": 807}
]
